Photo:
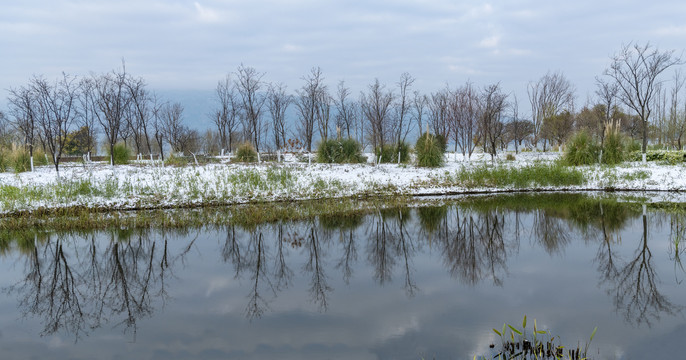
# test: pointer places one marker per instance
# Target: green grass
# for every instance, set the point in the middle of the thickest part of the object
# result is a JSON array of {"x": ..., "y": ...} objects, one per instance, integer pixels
[{"x": 536, "y": 175}]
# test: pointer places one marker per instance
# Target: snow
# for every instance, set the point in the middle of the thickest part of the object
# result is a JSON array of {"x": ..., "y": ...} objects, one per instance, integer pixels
[{"x": 150, "y": 185}]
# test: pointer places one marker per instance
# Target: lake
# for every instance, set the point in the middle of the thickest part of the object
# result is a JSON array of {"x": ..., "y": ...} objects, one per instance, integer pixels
[{"x": 426, "y": 281}]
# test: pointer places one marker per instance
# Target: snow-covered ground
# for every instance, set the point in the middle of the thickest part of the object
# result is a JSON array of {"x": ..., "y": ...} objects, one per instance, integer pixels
[{"x": 150, "y": 185}]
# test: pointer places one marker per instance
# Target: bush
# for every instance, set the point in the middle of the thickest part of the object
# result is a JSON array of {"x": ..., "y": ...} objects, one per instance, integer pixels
[
  {"x": 4, "y": 159},
  {"x": 121, "y": 154},
  {"x": 429, "y": 151},
  {"x": 340, "y": 151},
  {"x": 172, "y": 160},
  {"x": 21, "y": 161},
  {"x": 389, "y": 153},
  {"x": 613, "y": 148},
  {"x": 581, "y": 150},
  {"x": 668, "y": 157},
  {"x": 510, "y": 157},
  {"x": 633, "y": 145},
  {"x": 246, "y": 153}
]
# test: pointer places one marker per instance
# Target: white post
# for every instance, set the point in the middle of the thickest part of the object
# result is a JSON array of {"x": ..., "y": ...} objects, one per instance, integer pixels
[
  {"x": 222, "y": 153},
  {"x": 309, "y": 159},
  {"x": 31, "y": 163},
  {"x": 258, "y": 158},
  {"x": 645, "y": 207},
  {"x": 398, "y": 157},
  {"x": 643, "y": 157}
]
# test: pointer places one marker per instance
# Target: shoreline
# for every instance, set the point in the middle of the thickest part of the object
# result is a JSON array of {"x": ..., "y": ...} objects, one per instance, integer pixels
[{"x": 102, "y": 188}]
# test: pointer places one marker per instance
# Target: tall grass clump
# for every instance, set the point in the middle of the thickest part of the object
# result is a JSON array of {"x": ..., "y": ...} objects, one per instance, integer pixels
[
  {"x": 246, "y": 153},
  {"x": 535, "y": 175},
  {"x": 120, "y": 154},
  {"x": 430, "y": 150},
  {"x": 339, "y": 151},
  {"x": 21, "y": 160},
  {"x": 389, "y": 152},
  {"x": 173, "y": 160},
  {"x": 39, "y": 158},
  {"x": 614, "y": 149},
  {"x": 581, "y": 150}
]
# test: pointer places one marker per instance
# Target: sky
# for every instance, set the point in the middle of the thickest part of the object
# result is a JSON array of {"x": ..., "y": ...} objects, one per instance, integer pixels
[{"x": 184, "y": 47}]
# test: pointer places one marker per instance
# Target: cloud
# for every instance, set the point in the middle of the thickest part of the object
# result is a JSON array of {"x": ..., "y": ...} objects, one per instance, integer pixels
[
  {"x": 490, "y": 42},
  {"x": 291, "y": 48},
  {"x": 671, "y": 31},
  {"x": 206, "y": 15}
]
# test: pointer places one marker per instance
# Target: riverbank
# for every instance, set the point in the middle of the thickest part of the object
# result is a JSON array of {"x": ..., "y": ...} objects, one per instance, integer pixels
[{"x": 100, "y": 187}]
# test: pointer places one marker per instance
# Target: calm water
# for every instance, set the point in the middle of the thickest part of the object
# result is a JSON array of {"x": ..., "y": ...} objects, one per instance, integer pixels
[{"x": 401, "y": 283}]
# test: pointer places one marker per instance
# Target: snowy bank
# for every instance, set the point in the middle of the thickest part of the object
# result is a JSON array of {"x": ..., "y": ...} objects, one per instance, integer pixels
[{"x": 150, "y": 185}]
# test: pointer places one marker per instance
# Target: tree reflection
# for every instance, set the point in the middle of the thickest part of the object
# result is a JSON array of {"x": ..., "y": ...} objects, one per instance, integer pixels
[
  {"x": 476, "y": 248},
  {"x": 76, "y": 286},
  {"x": 319, "y": 286},
  {"x": 635, "y": 289}
]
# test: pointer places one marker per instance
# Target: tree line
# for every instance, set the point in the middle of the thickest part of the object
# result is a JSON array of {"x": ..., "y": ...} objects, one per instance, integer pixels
[{"x": 67, "y": 115}]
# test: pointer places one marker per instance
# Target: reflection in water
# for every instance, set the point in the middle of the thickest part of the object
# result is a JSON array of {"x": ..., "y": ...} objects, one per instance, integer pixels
[
  {"x": 75, "y": 283},
  {"x": 635, "y": 286},
  {"x": 79, "y": 284}
]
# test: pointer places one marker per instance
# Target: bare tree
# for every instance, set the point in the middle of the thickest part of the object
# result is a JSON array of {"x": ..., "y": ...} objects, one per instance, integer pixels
[
  {"x": 112, "y": 102},
  {"x": 175, "y": 132},
  {"x": 419, "y": 104},
  {"x": 463, "y": 115},
  {"x": 278, "y": 102},
  {"x": 323, "y": 112},
  {"x": 158, "y": 124},
  {"x": 23, "y": 106},
  {"x": 226, "y": 118},
  {"x": 140, "y": 113},
  {"x": 376, "y": 110},
  {"x": 550, "y": 95},
  {"x": 57, "y": 110},
  {"x": 677, "y": 117},
  {"x": 88, "y": 106},
  {"x": 492, "y": 127},
  {"x": 403, "y": 125},
  {"x": 636, "y": 70},
  {"x": 307, "y": 103},
  {"x": 438, "y": 113},
  {"x": 345, "y": 109},
  {"x": 607, "y": 94},
  {"x": 248, "y": 86}
]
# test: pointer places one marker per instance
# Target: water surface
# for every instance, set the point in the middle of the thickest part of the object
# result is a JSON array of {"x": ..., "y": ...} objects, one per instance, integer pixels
[{"x": 392, "y": 283}]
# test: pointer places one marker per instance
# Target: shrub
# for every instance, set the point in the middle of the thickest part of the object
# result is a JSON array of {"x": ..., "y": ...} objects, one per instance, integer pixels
[
  {"x": 510, "y": 157},
  {"x": 339, "y": 151},
  {"x": 120, "y": 154},
  {"x": 4, "y": 160},
  {"x": 21, "y": 160},
  {"x": 39, "y": 158},
  {"x": 613, "y": 148},
  {"x": 633, "y": 145},
  {"x": 172, "y": 160},
  {"x": 246, "y": 153},
  {"x": 581, "y": 150},
  {"x": 389, "y": 153},
  {"x": 429, "y": 151},
  {"x": 668, "y": 157}
]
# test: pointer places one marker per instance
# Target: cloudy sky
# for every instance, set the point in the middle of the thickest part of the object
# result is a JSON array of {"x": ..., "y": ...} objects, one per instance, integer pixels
[{"x": 189, "y": 45}]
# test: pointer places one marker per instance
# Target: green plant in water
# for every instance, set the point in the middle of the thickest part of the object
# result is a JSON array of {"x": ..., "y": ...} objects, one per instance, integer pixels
[{"x": 516, "y": 344}]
